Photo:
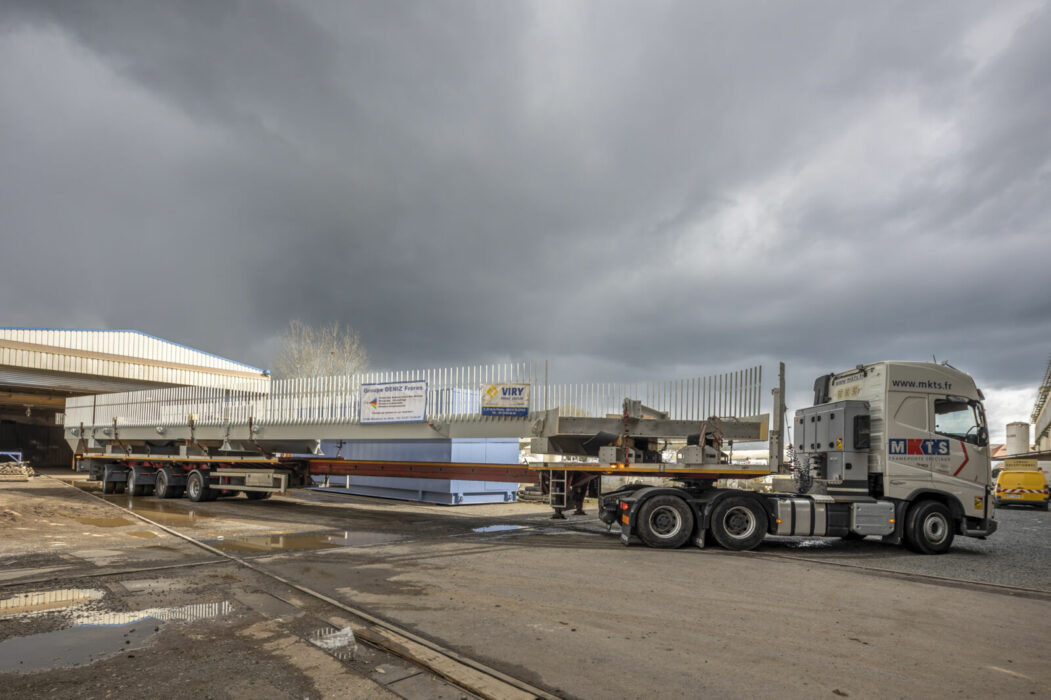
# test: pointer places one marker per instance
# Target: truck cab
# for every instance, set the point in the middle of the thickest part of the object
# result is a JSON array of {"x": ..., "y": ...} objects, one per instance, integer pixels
[
  {"x": 894, "y": 449},
  {"x": 927, "y": 442}
]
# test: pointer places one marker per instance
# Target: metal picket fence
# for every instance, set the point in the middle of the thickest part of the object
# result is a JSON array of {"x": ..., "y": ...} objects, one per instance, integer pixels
[{"x": 453, "y": 394}]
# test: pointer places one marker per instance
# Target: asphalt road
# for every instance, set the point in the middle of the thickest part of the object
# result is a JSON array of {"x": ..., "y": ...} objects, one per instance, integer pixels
[
  {"x": 566, "y": 607},
  {"x": 1018, "y": 554}
]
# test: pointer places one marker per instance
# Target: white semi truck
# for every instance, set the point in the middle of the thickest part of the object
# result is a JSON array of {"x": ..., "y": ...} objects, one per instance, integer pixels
[{"x": 894, "y": 449}]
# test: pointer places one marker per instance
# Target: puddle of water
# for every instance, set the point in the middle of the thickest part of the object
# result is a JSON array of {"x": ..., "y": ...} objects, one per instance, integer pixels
[
  {"x": 810, "y": 544},
  {"x": 497, "y": 528},
  {"x": 340, "y": 643},
  {"x": 72, "y": 646},
  {"x": 284, "y": 543},
  {"x": 181, "y": 613},
  {"x": 96, "y": 635},
  {"x": 44, "y": 601},
  {"x": 144, "y": 534},
  {"x": 104, "y": 522},
  {"x": 168, "y": 513},
  {"x": 361, "y": 538}
]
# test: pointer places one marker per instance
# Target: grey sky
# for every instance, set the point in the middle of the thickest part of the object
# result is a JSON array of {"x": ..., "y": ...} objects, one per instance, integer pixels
[{"x": 631, "y": 190}]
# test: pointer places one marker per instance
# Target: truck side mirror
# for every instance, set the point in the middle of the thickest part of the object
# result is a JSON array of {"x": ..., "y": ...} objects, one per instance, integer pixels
[{"x": 983, "y": 436}]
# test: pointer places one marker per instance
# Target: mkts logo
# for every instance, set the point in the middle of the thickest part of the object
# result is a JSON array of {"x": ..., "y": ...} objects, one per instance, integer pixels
[{"x": 924, "y": 447}]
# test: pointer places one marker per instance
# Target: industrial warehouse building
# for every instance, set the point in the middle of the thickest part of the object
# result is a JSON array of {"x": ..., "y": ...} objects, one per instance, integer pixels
[{"x": 41, "y": 367}]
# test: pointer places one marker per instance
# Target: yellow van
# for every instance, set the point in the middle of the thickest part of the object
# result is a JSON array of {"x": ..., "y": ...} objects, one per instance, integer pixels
[{"x": 1021, "y": 487}]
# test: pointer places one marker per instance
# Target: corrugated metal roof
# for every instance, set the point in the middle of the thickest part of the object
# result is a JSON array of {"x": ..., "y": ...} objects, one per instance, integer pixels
[
  {"x": 54, "y": 355},
  {"x": 128, "y": 343},
  {"x": 13, "y": 377}
]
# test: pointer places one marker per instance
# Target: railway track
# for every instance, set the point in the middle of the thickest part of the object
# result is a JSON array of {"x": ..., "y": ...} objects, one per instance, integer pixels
[{"x": 466, "y": 673}]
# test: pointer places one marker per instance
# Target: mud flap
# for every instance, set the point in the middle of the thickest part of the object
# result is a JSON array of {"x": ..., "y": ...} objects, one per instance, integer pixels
[
  {"x": 115, "y": 474},
  {"x": 898, "y": 536}
]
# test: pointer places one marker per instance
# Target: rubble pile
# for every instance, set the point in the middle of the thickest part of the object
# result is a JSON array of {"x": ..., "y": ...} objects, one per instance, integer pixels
[{"x": 15, "y": 471}]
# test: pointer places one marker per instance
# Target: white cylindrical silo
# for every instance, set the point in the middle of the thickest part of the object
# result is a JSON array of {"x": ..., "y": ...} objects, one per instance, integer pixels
[{"x": 1017, "y": 438}]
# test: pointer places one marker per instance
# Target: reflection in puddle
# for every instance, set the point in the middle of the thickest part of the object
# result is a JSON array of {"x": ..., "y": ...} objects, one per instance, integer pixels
[
  {"x": 43, "y": 601},
  {"x": 810, "y": 544},
  {"x": 498, "y": 528},
  {"x": 170, "y": 513},
  {"x": 282, "y": 543},
  {"x": 340, "y": 643},
  {"x": 95, "y": 635},
  {"x": 182, "y": 613}
]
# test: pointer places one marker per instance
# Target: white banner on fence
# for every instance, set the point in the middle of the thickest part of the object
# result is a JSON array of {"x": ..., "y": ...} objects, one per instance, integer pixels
[
  {"x": 394, "y": 402},
  {"x": 507, "y": 400}
]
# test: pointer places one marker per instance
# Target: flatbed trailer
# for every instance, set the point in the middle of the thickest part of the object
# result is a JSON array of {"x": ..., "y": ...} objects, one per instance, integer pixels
[
  {"x": 898, "y": 450},
  {"x": 169, "y": 476}
]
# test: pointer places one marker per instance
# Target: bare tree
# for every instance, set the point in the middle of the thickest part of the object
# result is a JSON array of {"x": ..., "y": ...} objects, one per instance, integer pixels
[{"x": 328, "y": 351}]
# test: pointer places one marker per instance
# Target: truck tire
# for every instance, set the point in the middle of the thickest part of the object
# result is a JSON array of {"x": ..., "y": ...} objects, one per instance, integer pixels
[
  {"x": 665, "y": 522},
  {"x": 109, "y": 487},
  {"x": 164, "y": 488},
  {"x": 256, "y": 495},
  {"x": 929, "y": 528},
  {"x": 739, "y": 523},
  {"x": 197, "y": 488},
  {"x": 135, "y": 487}
]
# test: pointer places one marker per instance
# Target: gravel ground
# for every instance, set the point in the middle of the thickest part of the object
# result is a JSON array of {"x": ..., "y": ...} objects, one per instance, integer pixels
[
  {"x": 514, "y": 589},
  {"x": 1018, "y": 554}
]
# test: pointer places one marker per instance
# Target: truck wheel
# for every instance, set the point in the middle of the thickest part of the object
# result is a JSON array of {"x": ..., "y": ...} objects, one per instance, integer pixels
[
  {"x": 197, "y": 489},
  {"x": 665, "y": 522},
  {"x": 109, "y": 487},
  {"x": 164, "y": 488},
  {"x": 929, "y": 528},
  {"x": 256, "y": 495},
  {"x": 739, "y": 523},
  {"x": 135, "y": 487}
]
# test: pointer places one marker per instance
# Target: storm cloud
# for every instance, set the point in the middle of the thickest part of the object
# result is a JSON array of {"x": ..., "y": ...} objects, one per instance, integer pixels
[{"x": 630, "y": 190}]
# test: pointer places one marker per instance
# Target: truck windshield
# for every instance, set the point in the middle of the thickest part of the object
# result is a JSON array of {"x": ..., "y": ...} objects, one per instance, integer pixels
[{"x": 960, "y": 419}]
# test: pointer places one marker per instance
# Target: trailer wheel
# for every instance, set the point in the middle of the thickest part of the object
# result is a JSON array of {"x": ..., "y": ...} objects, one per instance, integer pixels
[
  {"x": 665, "y": 522},
  {"x": 109, "y": 487},
  {"x": 739, "y": 523},
  {"x": 135, "y": 488},
  {"x": 929, "y": 528},
  {"x": 256, "y": 495},
  {"x": 164, "y": 488},
  {"x": 197, "y": 488}
]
